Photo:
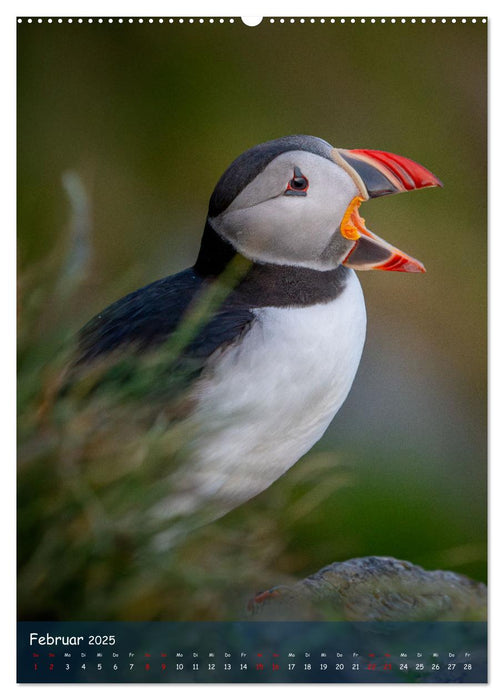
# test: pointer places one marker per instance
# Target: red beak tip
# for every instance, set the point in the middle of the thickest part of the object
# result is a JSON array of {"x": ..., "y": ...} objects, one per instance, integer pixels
[
  {"x": 434, "y": 182},
  {"x": 415, "y": 267},
  {"x": 400, "y": 263},
  {"x": 411, "y": 266}
]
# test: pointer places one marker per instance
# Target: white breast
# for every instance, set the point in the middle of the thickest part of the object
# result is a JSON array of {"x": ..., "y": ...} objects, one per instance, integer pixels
[{"x": 264, "y": 402}]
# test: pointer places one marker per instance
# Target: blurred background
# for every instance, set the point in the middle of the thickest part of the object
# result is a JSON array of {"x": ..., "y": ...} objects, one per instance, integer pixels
[{"x": 123, "y": 131}]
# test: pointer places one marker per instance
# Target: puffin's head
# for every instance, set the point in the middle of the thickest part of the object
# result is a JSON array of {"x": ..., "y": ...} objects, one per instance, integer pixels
[{"x": 295, "y": 201}]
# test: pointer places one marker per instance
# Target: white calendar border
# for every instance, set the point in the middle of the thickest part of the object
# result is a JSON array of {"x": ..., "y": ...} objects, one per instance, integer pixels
[{"x": 259, "y": 8}]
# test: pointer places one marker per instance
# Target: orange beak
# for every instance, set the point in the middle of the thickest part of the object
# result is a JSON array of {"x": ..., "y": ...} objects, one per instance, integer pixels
[{"x": 377, "y": 174}]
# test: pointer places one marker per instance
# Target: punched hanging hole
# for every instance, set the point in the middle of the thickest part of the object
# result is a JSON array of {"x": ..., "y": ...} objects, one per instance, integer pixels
[{"x": 251, "y": 21}]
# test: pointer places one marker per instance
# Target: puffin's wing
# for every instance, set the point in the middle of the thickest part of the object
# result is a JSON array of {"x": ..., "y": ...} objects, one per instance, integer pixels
[{"x": 142, "y": 325}]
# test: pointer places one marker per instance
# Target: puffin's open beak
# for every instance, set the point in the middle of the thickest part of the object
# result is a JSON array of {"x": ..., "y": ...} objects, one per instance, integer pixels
[{"x": 377, "y": 173}]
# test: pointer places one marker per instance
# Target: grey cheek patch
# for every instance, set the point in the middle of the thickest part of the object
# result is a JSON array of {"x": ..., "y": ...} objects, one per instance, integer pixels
[{"x": 337, "y": 248}]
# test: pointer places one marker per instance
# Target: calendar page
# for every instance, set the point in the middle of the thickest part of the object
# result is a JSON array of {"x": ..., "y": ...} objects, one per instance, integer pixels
[{"x": 252, "y": 377}]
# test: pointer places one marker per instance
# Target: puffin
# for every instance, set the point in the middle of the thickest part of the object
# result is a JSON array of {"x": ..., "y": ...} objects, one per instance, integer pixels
[{"x": 265, "y": 331}]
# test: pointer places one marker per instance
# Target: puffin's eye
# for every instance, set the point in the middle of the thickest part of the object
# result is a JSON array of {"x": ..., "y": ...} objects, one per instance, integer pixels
[{"x": 298, "y": 185}]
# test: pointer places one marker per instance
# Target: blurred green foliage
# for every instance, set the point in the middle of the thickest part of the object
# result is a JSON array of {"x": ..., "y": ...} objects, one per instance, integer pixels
[{"x": 136, "y": 124}]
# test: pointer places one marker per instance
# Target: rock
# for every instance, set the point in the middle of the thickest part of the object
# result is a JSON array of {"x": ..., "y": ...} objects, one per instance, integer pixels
[{"x": 375, "y": 589}]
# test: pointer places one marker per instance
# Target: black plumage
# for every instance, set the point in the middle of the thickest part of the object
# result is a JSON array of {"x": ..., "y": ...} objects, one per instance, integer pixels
[{"x": 148, "y": 317}]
